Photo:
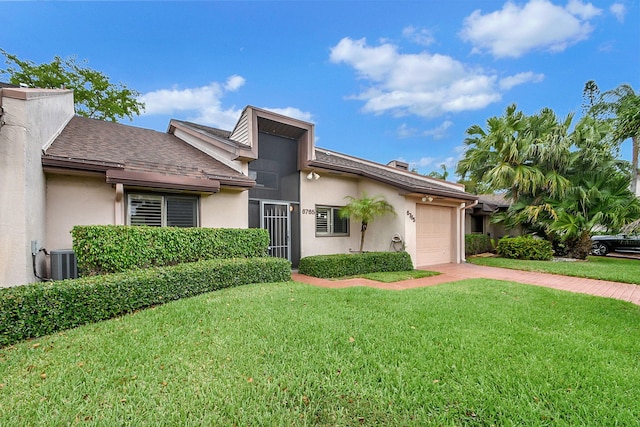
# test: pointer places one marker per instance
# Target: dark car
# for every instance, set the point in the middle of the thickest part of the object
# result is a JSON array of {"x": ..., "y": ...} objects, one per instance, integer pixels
[{"x": 602, "y": 245}]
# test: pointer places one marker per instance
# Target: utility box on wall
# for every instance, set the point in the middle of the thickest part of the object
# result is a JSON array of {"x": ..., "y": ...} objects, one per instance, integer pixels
[{"x": 63, "y": 264}]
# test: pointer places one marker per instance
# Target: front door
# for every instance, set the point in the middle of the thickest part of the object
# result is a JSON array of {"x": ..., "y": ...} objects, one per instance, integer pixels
[{"x": 275, "y": 219}]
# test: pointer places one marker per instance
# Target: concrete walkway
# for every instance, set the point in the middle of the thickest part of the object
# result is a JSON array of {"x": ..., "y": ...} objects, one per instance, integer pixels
[{"x": 455, "y": 272}]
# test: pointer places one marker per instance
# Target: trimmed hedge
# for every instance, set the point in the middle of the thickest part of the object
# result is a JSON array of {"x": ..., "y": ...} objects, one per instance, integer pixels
[
  {"x": 525, "y": 247},
  {"x": 475, "y": 244},
  {"x": 340, "y": 265},
  {"x": 40, "y": 309},
  {"x": 102, "y": 249}
]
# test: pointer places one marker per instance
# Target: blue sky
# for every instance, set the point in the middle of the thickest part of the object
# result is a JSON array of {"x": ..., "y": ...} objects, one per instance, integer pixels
[{"x": 381, "y": 80}]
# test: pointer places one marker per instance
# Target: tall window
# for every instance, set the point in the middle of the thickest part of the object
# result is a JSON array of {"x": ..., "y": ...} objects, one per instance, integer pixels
[
  {"x": 162, "y": 210},
  {"x": 477, "y": 224},
  {"x": 329, "y": 223}
]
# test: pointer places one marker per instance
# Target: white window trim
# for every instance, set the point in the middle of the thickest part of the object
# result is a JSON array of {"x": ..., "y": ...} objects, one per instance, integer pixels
[{"x": 330, "y": 222}]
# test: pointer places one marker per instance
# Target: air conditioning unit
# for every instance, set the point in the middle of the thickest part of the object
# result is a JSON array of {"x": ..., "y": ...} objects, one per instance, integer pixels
[{"x": 63, "y": 264}]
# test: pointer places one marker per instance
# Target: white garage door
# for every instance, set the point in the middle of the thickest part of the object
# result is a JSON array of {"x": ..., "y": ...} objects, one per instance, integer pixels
[{"x": 434, "y": 235}]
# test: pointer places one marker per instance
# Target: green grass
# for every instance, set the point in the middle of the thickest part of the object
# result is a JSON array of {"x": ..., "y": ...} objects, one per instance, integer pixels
[
  {"x": 603, "y": 268},
  {"x": 396, "y": 276},
  {"x": 471, "y": 353}
]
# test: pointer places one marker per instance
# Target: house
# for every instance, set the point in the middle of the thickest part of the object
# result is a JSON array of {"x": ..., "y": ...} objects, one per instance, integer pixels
[
  {"x": 478, "y": 219},
  {"x": 58, "y": 170}
]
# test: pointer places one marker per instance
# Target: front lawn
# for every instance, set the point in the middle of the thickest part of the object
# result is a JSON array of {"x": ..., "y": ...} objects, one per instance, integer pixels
[
  {"x": 603, "y": 268},
  {"x": 395, "y": 276},
  {"x": 474, "y": 353}
]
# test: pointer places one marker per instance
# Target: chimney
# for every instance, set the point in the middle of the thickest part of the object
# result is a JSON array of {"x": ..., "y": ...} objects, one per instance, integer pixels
[{"x": 397, "y": 164}]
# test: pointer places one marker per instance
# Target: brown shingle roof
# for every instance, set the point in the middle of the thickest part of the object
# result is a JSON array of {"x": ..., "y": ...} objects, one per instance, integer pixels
[
  {"x": 92, "y": 141},
  {"x": 498, "y": 200},
  {"x": 404, "y": 180},
  {"x": 207, "y": 130}
]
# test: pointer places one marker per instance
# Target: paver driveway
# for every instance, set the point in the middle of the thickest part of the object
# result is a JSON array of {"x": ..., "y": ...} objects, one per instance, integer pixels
[{"x": 454, "y": 272}]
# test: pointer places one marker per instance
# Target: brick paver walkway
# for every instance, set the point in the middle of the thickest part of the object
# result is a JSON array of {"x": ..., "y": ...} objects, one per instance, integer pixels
[{"x": 454, "y": 272}]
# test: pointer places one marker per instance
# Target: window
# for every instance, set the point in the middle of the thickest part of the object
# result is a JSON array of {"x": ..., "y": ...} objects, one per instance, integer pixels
[
  {"x": 268, "y": 180},
  {"x": 477, "y": 224},
  {"x": 329, "y": 223},
  {"x": 160, "y": 210}
]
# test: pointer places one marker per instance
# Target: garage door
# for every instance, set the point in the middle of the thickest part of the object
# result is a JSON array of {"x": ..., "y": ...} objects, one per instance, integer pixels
[{"x": 434, "y": 235}]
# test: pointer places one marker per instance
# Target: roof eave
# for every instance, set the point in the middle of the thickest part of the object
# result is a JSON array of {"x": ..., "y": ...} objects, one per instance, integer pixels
[
  {"x": 236, "y": 184},
  {"x": 79, "y": 164},
  {"x": 241, "y": 152},
  {"x": 157, "y": 180},
  {"x": 400, "y": 185}
]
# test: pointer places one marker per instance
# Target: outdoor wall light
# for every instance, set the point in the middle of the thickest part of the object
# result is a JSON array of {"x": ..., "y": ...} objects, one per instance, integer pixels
[
  {"x": 427, "y": 199},
  {"x": 313, "y": 175}
]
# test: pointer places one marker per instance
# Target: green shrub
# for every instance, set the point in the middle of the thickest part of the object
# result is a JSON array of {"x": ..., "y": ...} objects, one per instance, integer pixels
[
  {"x": 475, "y": 244},
  {"x": 340, "y": 265},
  {"x": 525, "y": 247},
  {"x": 104, "y": 249},
  {"x": 44, "y": 308}
]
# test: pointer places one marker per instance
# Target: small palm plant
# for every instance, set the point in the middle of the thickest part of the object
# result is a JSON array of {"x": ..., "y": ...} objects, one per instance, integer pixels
[{"x": 365, "y": 209}]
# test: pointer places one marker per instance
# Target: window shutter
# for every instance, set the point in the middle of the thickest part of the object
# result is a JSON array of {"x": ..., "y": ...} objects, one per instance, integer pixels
[
  {"x": 182, "y": 212},
  {"x": 322, "y": 220},
  {"x": 145, "y": 210}
]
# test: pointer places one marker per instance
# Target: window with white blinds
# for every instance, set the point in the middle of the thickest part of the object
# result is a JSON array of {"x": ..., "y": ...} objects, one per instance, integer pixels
[
  {"x": 162, "y": 210},
  {"x": 329, "y": 223}
]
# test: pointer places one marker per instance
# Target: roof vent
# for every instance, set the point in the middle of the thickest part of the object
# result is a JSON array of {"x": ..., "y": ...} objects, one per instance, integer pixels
[{"x": 397, "y": 164}]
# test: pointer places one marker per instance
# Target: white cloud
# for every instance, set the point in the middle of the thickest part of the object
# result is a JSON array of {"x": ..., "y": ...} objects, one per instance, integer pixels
[
  {"x": 371, "y": 62},
  {"x": 618, "y": 10},
  {"x": 203, "y": 104},
  {"x": 440, "y": 131},
  {"x": 166, "y": 101},
  {"x": 538, "y": 25},
  {"x": 423, "y": 162},
  {"x": 422, "y": 84},
  {"x": 421, "y": 36},
  {"x": 234, "y": 83},
  {"x": 213, "y": 116},
  {"x": 293, "y": 113},
  {"x": 450, "y": 163},
  {"x": 460, "y": 150},
  {"x": 520, "y": 78},
  {"x": 404, "y": 131},
  {"x": 585, "y": 11},
  {"x": 425, "y": 165}
]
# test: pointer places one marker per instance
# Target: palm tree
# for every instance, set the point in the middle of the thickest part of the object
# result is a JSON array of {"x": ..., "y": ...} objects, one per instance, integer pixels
[
  {"x": 624, "y": 104},
  {"x": 365, "y": 209},
  {"x": 440, "y": 175},
  {"x": 561, "y": 183},
  {"x": 517, "y": 153}
]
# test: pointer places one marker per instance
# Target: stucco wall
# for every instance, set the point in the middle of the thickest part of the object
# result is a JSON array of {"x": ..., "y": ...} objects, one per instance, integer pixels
[
  {"x": 81, "y": 200},
  {"x": 409, "y": 213},
  {"x": 382, "y": 229},
  {"x": 227, "y": 209},
  {"x": 76, "y": 200},
  {"x": 33, "y": 118},
  {"x": 330, "y": 190}
]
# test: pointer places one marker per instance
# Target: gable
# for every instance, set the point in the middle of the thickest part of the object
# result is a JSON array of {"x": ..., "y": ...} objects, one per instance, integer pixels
[{"x": 98, "y": 146}]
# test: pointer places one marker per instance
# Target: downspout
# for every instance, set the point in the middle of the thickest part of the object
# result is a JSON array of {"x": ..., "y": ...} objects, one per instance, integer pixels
[
  {"x": 118, "y": 209},
  {"x": 1, "y": 110},
  {"x": 463, "y": 207}
]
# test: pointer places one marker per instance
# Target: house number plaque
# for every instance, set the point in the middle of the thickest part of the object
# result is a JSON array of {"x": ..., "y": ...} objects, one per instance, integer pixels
[{"x": 411, "y": 216}]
